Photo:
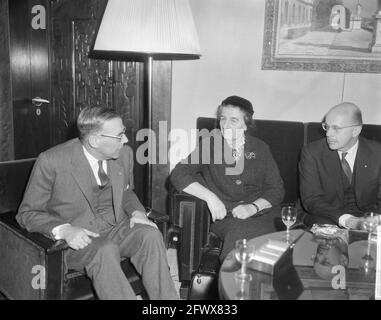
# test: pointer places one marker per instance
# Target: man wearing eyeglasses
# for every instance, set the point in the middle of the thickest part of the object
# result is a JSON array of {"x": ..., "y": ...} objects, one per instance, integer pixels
[
  {"x": 340, "y": 176},
  {"x": 82, "y": 192}
]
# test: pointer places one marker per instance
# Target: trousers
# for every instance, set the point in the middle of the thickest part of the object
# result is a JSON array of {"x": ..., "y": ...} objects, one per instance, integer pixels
[{"x": 144, "y": 246}]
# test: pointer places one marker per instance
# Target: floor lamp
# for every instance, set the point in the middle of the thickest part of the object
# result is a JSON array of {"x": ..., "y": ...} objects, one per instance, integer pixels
[{"x": 148, "y": 30}]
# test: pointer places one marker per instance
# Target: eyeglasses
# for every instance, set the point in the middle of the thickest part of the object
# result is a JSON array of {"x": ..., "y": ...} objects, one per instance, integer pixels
[
  {"x": 336, "y": 129},
  {"x": 119, "y": 137}
]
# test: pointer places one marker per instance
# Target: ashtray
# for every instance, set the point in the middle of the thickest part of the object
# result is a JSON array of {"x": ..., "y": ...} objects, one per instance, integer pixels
[{"x": 329, "y": 231}]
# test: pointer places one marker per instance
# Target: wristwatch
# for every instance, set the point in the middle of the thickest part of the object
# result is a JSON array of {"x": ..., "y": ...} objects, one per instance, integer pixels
[{"x": 256, "y": 206}]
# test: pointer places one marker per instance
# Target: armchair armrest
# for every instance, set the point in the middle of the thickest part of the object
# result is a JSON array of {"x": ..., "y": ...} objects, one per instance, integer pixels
[
  {"x": 156, "y": 216},
  {"x": 192, "y": 218},
  {"x": 59, "y": 245},
  {"x": 51, "y": 245},
  {"x": 181, "y": 200},
  {"x": 44, "y": 242}
]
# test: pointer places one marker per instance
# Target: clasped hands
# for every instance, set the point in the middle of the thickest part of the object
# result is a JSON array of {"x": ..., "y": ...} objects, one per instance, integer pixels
[
  {"x": 218, "y": 209},
  {"x": 79, "y": 238}
]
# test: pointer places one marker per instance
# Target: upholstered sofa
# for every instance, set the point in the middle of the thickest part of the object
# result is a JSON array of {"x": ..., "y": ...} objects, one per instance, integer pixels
[{"x": 190, "y": 217}]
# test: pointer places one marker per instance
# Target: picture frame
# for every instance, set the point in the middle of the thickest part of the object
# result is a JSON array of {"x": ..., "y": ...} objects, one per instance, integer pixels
[{"x": 322, "y": 35}]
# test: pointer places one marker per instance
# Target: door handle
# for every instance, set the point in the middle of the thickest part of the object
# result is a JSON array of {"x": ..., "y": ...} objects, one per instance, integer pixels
[{"x": 37, "y": 101}]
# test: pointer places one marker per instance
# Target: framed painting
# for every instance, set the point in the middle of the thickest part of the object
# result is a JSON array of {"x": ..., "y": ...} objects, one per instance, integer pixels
[{"x": 322, "y": 35}]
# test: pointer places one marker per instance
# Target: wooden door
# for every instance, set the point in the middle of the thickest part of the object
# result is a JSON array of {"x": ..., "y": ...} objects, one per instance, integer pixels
[
  {"x": 54, "y": 63},
  {"x": 29, "y": 59},
  {"x": 79, "y": 81}
]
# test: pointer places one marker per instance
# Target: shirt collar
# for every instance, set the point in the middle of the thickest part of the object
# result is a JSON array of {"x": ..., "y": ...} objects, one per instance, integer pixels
[
  {"x": 352, "y": 151},
  {"x": 93, "y": 161}
]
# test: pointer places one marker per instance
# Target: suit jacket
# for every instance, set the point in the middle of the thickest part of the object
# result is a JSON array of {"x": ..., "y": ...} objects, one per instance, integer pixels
[
  {"x": 321, "y": 185},
  {"x": 257, "y": 176},
  {"x": 60, "y": 189}
]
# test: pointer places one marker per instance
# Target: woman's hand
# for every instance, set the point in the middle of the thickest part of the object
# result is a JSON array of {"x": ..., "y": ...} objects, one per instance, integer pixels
[
  {"x": 215, "y": 205},
  {"x": 140, "y": 217},
  {"x": 244, "y": 211},
  {"x": 216, "y": 208}
]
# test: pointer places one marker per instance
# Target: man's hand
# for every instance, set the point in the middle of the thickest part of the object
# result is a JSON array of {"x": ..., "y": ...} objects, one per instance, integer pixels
[
  {"x": 244, "y": 211},
  {"x": 216, "y": 208},
  {"x": 140, "y": 217},
  {"x": 76, "y": 237},
  {"x": 354, "y": 223}
]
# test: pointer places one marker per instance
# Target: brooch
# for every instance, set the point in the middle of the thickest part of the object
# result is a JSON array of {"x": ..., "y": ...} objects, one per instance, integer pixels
[{"x": 249, "y": 155}]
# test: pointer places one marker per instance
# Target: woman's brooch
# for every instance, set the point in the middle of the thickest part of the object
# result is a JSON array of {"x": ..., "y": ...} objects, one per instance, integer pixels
[{"x": 250, "y": 155}]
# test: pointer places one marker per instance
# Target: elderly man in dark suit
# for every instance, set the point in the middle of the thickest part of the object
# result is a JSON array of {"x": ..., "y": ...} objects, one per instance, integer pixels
[
  {"x": 82, "y": 191},
  {"x": 340, "y": 176}
]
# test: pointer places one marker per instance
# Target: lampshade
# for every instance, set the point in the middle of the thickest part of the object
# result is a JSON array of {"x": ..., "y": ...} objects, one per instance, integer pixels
[{"x": 159, "y": 28}]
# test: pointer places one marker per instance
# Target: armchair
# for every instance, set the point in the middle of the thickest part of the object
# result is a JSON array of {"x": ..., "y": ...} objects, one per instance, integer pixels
[
  {"x": 38, "y": 267},
  {"x": 33, "y": 266}
]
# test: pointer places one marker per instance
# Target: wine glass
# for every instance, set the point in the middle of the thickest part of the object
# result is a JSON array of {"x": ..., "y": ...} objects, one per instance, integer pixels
[
  {"x": 244, "y": 290},
  {"x": 370, "y": 223},
  {"x": 289, "y": 214},
  {"x": 368, "y": 263},
  {"x": 244, "y": 253}
]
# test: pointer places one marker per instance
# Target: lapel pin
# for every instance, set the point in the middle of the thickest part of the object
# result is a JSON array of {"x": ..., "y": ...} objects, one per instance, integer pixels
[{"x": 249, "y": 155}]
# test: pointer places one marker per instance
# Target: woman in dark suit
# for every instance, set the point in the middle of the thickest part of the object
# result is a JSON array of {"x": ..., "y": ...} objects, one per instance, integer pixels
[{"x": 235, "y": 174}]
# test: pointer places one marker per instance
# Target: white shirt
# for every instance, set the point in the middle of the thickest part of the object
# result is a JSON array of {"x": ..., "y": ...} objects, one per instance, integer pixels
[
  {"x": 94, "y": 167},
  {"x": 350, "y": 157},
  {"x": 94, "y": 164}
]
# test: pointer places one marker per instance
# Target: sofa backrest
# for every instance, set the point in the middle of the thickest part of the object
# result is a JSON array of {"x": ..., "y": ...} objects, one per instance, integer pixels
[
  {"x": 285, "y": 139},
  {"x": 314, "y": 131},
  {"x": 14, "y": 176},
  {"x": 371, "y": 131}
]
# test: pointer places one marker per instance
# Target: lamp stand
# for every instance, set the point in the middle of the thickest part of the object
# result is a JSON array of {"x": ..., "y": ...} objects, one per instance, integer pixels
[{"x": 148, "y": 115}]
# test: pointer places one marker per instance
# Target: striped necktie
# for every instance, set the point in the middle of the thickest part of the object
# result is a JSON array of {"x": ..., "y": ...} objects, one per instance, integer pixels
[
  {"x": 346, "y": 168},
  {"x": 103, "y": 177}
]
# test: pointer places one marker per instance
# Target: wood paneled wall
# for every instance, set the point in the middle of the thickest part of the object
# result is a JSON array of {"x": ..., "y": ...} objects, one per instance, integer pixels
[
  {"x": 77, "y": 81},
  {"x": 6, "y": 114},
  {"x": 161, "y": 109}
]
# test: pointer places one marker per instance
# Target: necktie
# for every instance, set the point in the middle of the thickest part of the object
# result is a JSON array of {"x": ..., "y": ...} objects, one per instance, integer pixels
[
  {"x": 346, "y": 168},
  {"x": 103, "y": 177}
]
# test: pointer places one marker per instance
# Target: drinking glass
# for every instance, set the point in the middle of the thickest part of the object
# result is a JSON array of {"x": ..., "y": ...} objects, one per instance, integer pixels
[
  {"x": 370, "y": 223},
  {"x": 244, "y": 253},
  {"x": 289, "y": 214},
  {"x": 368, "y": 265},
  {"x": 244, "y": 290}
]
